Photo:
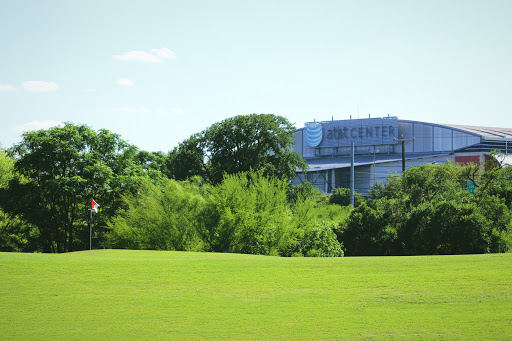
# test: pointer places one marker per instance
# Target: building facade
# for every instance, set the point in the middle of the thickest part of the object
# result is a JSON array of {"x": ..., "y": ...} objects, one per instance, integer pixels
[{"x": 326, "y": 147}]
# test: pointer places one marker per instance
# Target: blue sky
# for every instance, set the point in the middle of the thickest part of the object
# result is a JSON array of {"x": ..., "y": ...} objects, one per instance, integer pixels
[{"x": 156, "y": 72}]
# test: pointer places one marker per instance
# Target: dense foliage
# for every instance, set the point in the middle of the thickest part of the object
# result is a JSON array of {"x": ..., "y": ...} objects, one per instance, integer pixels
[
  {"x": 14, "y": 233},
  {"x": 57, "y": 171},
  {"x": 246, "y": 213},
  {"x": 428, "y": 210},
  {"x": 238, "y": 144},
  {"x": 341, "y": 196},
  {"x": 228, "y": 189}
]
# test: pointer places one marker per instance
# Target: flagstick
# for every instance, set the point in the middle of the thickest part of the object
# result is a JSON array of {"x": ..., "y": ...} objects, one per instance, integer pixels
[{"x": 90, "y": 231}]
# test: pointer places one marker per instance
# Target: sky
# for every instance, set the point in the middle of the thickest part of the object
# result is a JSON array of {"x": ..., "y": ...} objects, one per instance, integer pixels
[{"x": 157, "y": 72}]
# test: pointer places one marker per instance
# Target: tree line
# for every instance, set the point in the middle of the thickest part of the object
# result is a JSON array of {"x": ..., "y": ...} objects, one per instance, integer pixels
[
  {"x": 228, "y": 189},
  {"x": 428, "y": 210}
]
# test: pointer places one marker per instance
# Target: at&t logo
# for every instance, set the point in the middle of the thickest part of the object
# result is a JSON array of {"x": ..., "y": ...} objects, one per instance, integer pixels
[{"x": 313, "y": 134}]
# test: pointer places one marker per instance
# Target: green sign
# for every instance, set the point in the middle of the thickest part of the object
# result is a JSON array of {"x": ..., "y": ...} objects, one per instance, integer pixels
[{"x": 471, "y": 187}]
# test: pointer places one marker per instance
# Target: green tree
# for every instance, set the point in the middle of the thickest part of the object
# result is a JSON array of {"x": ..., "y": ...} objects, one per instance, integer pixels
[
  {"x": 341, "y": 196},
  {"x": 15, "y": 234},
  {"x": 160, "y": 216},
  {"x": 188, "y": 159},
  {"x": 246, "y": 213},
  {"x": 239, "y": 144},
  {"x": 448, "y": 227},
  {"x": 60, "y": 170},
  {"x": 497, "y": 181},
  {"x": 428, "y": 210},
  {"x": 367, "y": 232},
  {"x": 311, "y": 231},
  {"x": 303, "y": 191},
  {"x": 6, "y": 168},
  {"x": 250, "y": 213},
  {"x": 154, "y": 163}
]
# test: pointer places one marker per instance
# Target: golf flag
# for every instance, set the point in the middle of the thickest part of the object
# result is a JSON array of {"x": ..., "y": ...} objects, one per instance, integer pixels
[{"x": 94, "y": 205}]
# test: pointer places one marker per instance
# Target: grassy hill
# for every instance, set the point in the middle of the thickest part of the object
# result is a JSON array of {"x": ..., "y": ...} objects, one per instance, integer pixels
[{"x": 119, "y": 294}]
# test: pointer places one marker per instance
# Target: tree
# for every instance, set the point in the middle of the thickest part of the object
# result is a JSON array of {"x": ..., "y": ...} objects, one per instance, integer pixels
[
  {"x": 6, "y": 168},
  {"x": 311, "y": 229},
  {"x": 246, "y": 213},
  {"x": 447, "y": 227},
  {"x": 239, "y": 144},
  {"x": 14, "y": 232},
  {"x": 303, "y": 191},
  {"x": 188, "y": 159},
  {"x": 497, "y": 182},
  {"x": 154, "y": 163},
  {"x": 341, "y": 196},
  {"x": 60, "y": 169},
  {"x": 161, "y": 216},
  {"x": 428, "y": 210},
  {"x": 250, "y": 213},
  {"x": 367, "y": 232}
]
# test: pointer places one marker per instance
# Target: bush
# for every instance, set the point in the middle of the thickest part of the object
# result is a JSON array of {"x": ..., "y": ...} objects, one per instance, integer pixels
[
  {"x": 341, "y": 196},
  {"x": 311, "y": 232},
  {"x": 161, "y": 216},
  {"x": 246, "y": 213},
  {"x": 305, "y": 190},
  {"x": 448, "y": 227},
  {"x": 251, "y": 213},
  {"x": 367, "y": 232},
  {"x": 428, "y": 211}
]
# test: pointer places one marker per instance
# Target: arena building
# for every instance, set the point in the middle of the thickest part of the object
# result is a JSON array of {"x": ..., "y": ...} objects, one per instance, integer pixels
[{"x": 377, "y": 142}]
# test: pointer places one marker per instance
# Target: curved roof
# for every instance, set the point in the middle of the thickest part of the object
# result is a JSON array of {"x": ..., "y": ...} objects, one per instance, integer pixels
[
  {"x": 485, "y": 132},
  {"x": 489, "y": 132}
]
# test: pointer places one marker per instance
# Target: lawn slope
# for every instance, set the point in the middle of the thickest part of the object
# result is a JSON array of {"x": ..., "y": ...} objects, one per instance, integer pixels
[{"x": 118, "y": 294}]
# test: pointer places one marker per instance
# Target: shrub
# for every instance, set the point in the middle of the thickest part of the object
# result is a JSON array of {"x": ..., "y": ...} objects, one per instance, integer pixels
[
  {"x": 161, "y": 217},
  {"x": 341, "y": 196}
]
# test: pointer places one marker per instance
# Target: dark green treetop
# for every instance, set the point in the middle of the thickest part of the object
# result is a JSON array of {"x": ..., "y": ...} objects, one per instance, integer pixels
[
  {"x": 239, "y": 144},
  {"x": 58, "y": 171}
]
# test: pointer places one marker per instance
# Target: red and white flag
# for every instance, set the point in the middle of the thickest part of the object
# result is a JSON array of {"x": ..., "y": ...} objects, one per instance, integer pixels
[{"x": 94, "y": 205}]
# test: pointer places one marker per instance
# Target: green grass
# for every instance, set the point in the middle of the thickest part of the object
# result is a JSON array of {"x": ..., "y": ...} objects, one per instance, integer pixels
[{"x": 115, "y": 294}]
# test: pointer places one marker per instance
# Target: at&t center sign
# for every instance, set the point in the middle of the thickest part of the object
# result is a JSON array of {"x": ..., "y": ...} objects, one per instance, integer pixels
[{"x": 363, "y": 132}]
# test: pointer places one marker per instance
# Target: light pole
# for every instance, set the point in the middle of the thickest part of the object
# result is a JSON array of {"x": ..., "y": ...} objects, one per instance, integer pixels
[
  {"x": 402, "y": 140},
  {"x": 374, "y": 176},
  {"x": 352, "y": 180}
]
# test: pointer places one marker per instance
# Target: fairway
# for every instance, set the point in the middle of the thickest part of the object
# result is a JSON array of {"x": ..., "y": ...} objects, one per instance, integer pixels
[{"x": 119, "y": 294}]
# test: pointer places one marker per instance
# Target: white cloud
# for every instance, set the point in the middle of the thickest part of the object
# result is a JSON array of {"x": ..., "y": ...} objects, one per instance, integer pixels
[
  {"x": 154, "y": 56},
  {"x": 124, "y": 82},
  {"x": 6, "y": 87},
  {"x": 37, "y": 125},
  {"x": 39, "y": 86}
]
